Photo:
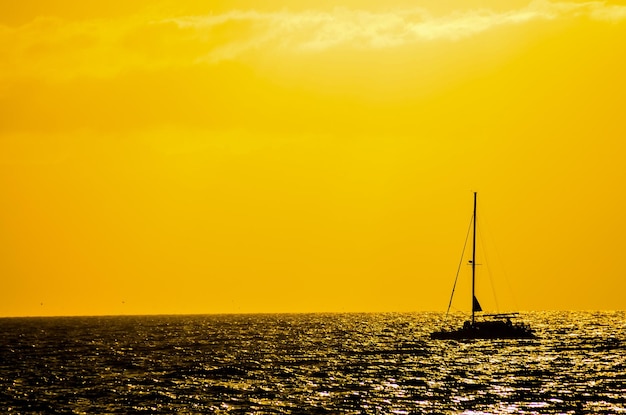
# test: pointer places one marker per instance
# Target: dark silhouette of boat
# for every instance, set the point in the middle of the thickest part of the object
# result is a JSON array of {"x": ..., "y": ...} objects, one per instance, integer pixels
[{"x": 484, "y": 326}]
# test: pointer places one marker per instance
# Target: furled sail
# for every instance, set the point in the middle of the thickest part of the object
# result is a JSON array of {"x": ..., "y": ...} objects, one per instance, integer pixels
[{"x": 476, "y": 305}]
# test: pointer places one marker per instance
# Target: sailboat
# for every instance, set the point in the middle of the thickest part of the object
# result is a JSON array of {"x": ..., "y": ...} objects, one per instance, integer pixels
[{"x": 485, "y": 326}]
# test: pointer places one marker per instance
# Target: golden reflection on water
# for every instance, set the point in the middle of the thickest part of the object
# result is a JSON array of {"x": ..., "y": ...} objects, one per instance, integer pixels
[{"x": 346, "y": 363}]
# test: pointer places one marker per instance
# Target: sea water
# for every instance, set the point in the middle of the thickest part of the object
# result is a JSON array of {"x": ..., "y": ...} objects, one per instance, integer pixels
[{"x": 309, "y": 363}]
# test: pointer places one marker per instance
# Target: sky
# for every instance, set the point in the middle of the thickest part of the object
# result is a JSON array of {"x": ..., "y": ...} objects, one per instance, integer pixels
[{"x": 187, "y": 156}]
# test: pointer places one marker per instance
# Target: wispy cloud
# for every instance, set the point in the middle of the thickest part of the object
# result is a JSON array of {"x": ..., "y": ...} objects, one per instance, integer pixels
[
  {"x": 363, "y": 29},
  {"x": 50, "y": 48}
]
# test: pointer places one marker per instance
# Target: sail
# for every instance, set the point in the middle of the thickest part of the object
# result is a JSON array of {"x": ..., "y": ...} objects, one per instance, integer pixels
[{"x": 476, "y": 306}]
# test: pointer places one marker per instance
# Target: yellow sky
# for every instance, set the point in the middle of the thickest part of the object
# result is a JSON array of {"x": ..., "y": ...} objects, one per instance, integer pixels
[{"x": 215, "y": 157}]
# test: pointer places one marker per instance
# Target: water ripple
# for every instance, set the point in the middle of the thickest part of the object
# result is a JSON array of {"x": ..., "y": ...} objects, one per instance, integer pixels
[{"x": 313, "y": 363}]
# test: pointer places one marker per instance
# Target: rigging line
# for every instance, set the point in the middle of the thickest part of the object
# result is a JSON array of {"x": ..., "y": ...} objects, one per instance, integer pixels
[
  {"x": 460, "y": 264},
  {"x": 502, "y": 270},
  {"x": 482, "y": 237}
]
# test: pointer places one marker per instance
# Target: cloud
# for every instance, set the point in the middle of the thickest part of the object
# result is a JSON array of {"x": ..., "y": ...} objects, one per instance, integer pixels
[
  {"x": 312, "y": 30},
  {"x": 48, "y": 48}
]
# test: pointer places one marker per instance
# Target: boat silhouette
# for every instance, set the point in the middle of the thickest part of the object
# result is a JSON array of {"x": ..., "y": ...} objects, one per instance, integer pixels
[{"x": 484, "y": 326}]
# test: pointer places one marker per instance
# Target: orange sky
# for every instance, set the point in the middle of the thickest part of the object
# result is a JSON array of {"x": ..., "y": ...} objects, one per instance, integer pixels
[{"x": 194, "y": 157}]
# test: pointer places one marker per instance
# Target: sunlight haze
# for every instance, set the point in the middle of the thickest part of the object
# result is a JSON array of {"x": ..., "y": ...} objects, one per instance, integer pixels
[{"x": 231, "y": 157}]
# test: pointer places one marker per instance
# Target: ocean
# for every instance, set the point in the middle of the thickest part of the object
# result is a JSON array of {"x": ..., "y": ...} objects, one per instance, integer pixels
[{"x": 309, "y": 364}]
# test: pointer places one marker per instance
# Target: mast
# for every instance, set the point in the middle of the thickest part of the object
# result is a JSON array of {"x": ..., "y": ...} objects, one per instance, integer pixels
[{"x": 474, "y": 259}]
